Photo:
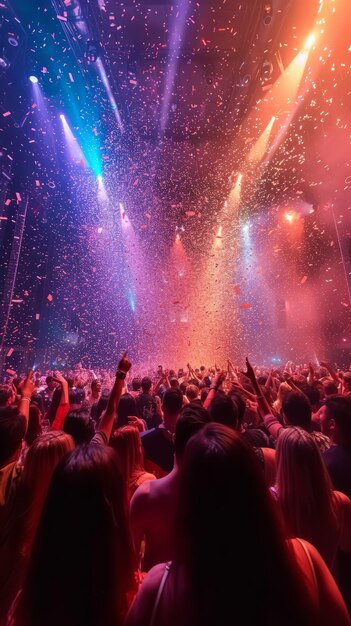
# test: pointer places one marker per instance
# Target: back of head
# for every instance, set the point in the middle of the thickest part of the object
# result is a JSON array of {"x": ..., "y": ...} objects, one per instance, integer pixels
[
  {"x": 224, "y": 411},
  {"x": 304, "y": 486},
  {"x": 34, "y": 427},
  {"x": 191, "y": 392},
  {"x": 172, "y": 401},
  {"x": 174, "y": 383},
  {"x": 126, "y": 442},
  {"x": 41, "y": 460},
  {"x": 240, "y": 405},
  {"x": 339, "y": 409},
  {"x": 126, "y": 407},
  {"x": 6, "y": 395},
  {"x": 89, "y": 563},
  {"x": 330, "y": 388},
  {"x": 297, "y": 410},
  {"x": 136, "y": 384},
  {"x": 12, "y": 431},
  {"x": 222, "y": 493},
  {"x": 80, "y": 425},
  {"x": 192, "y": 418},
  {"x": 146, "y": 383},
  {"x": 312, "y": 393}
]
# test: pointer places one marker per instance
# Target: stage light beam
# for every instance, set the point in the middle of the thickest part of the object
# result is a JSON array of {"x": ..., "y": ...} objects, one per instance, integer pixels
[{"x": 33, "y": 79}]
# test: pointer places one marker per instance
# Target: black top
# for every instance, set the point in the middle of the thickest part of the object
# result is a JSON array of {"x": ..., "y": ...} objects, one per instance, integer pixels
[
  {"x": 338, "y": 462},
  {"x": 159, "y": 448},
  {"x": 256, "y": 437},
  {"x": 146, "y": 407}
]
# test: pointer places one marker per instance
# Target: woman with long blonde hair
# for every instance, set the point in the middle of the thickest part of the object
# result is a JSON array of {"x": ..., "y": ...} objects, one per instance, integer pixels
[
  {"x": 126, "y": 442},
  {"x": 312, "y": 510}
]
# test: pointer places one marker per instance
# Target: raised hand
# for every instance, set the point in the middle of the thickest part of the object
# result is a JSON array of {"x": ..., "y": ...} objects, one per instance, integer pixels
[
  {"x": 27, "y": 387},
  {"x": 250, "y": 374},
  {"x": 124, "y": 365}
]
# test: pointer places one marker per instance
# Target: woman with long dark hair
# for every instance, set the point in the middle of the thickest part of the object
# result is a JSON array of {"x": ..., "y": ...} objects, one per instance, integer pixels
[
  {"x": 233, "y": 564},
  {"x": 312, "y": 510},
  {"x": 82, "y": 568}
]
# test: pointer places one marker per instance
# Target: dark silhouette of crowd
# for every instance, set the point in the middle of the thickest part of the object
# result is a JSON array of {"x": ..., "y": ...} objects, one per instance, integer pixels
[{"x": 203, "y": 496}]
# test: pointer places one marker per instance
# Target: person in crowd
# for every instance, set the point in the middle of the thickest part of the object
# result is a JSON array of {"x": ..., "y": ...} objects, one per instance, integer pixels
[
  {"x": 153, "y": 506},
  {"x": 34, "y": 424},
  {"x": 48, "y": 392},
  {"x": 136, "y": 388},
  {"x": 312, "y": 510},
  {"x": 148, "y": 407},
  {"x": 335, "y": 421},
  {"x": 126, "y": 442},
  {"x": 127, "y": 407},
  {"x": 232, "y": 563},
  {"x": 94, "y": 394},
  {"x": 82, "y": 568},
  {"x": 13, "y": 427},
  {"x": 18, "y": 530},
  {"x": 7, "y": 395},
  {"x": 297, "y": 411},
  {"x": 192, "y": 392},
  {"x": 158, "y": 442}
]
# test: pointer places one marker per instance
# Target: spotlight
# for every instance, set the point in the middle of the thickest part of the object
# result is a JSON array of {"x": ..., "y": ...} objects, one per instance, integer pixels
[
  {"x": 310, "y": 41},
  {"x": 62, "y": 117},
  {"x": 33, "y": 79},
  {"x": 246, "y": 228},
  {"x": 99, "y": 178},
  {"x": 289, "y": 216},
  {"x": 99, "y": 230}
]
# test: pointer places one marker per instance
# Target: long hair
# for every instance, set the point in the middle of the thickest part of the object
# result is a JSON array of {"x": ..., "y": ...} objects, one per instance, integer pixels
[
  {"x": 304, "y": 488},
  {"x": 41, "y": 460},
  {"x": 126, "y": 442},
  {"x": 231, "y": 547},
  {"x": 82, "y": 563}
]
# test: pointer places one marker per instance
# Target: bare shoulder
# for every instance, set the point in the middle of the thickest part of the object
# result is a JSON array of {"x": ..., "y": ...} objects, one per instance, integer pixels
[
  {"x": 142, "y": 494},
  {"x": 141, "y": 610}
]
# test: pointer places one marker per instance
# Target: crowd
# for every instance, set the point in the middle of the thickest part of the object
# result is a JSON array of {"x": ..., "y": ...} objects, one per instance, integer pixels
[{"x": 206, "y": 496}]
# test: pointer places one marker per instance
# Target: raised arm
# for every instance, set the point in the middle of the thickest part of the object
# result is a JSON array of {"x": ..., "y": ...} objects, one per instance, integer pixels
[
  {"x": 63, "y": 408},
  {"x": 261, "y": 400},
  {"x": 216, "y": 384},
  {"x": 26, "y": 390},
  {"x": 107, "y": 419}
]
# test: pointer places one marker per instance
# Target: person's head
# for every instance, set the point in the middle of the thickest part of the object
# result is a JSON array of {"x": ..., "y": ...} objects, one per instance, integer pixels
[
  {"x": 347, "y": 382},
  {"x": 174, "y": 383},
  {"x": 146, "y": 384},
  {"x": 7, "y": 395},
  {"x": 224, "y": 411},
  {"x": 126, "y": 442},
  {"x": 80, "y": 426},
  {"x": 95, "y": 387},
  {"x": 136, "y": 384},
  {"x": 126, "y": 408},
  {"x": 41, "y": 459},
  {"x": 192, "y": 392},
  {"x": 51, "y": 383},
  {"x": 313, "y": 394},
  {"x": 330, "y": 388},
  {"x": 222, "y": 494},
  {"x": 192, "y": 418},
  {"x": 284, "y": 389},
  {"x": 34, "y": 426},
  {"x": 89, "y": 563},
  {"x": 303, "y": 483},
  {"x": 12, "y": 431},
  {"x": 76, "y": 398},
  {"x": 240, "y": 404},
  {"x": 172, "y": 402},
  {"x": 297, "y": 410},
  {"x": 335, "y": 419}
]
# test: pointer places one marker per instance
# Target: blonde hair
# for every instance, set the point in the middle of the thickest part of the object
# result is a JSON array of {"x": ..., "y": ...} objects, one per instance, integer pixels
[
  {"x": 304, "y": 488},
  {"x": 284, "y": 389},
  {"x": 126, "y": 442},
  {"x": 40, "y": 462}
]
